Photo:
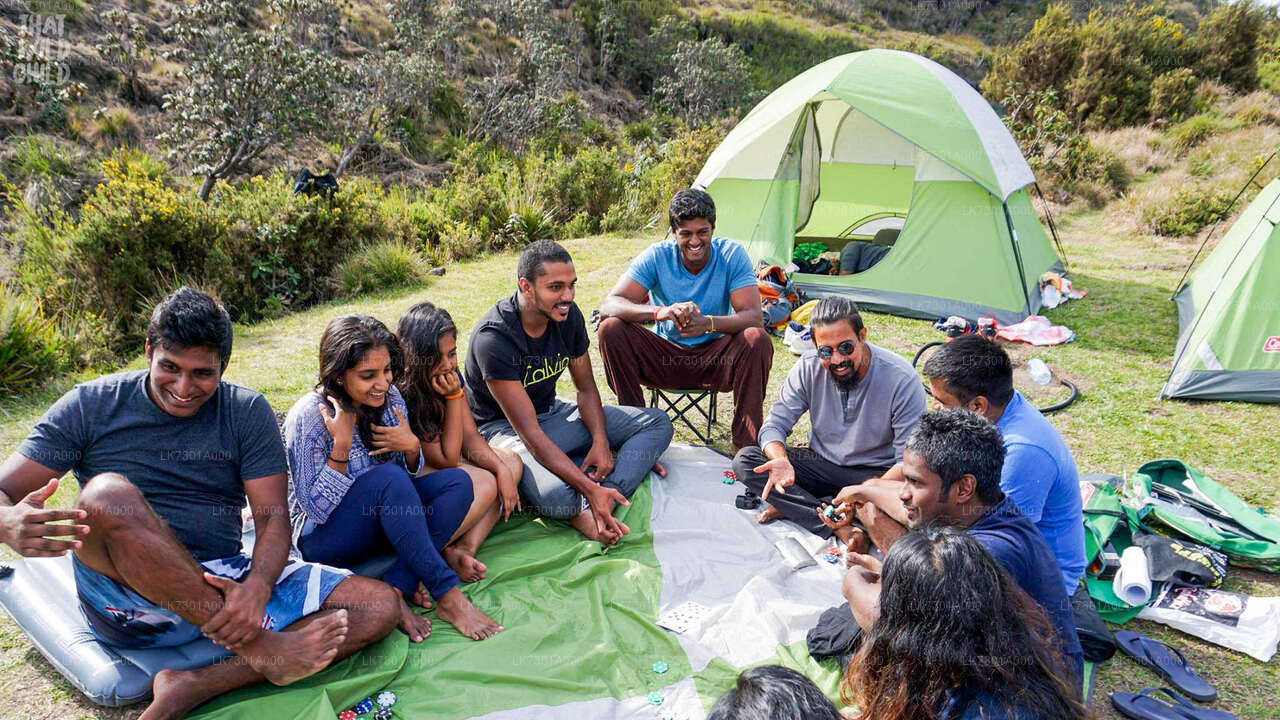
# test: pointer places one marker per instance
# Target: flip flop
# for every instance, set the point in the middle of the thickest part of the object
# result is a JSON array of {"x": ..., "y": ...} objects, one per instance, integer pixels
[
  {"x": 1167, "y": 662},
  {"x": 1144, "y": 706}
]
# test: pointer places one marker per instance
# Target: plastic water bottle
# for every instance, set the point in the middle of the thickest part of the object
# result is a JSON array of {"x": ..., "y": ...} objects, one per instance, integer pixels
[{"x": 1039, "y": 371}]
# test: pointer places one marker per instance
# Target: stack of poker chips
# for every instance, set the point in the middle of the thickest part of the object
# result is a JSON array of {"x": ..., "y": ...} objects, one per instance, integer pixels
[{"x": 383, "y": 704}]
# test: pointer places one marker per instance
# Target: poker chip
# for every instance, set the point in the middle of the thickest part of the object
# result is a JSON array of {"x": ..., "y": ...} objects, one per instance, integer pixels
[
  {"x": 655, "y": 698},
  {"x": 382, "y": 714},
  {"x": 728, "y": 474},
  {"x": 347, "y": 715},
  {"x": 728, "y": 480},
  {"x": 660, "y": 667},
  {"x": 386, "y": 699},
  {"x": 833, "y": 559}
]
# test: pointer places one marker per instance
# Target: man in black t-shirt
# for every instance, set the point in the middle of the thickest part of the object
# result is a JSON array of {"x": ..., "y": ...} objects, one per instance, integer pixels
[{"x": 516, "y": 355}]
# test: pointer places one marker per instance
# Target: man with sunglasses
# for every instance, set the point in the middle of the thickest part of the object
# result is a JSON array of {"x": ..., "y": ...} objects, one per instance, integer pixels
[{"x": 863, "y": 402}]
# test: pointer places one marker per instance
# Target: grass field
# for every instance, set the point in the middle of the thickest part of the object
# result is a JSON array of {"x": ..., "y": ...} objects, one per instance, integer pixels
[{"x": 1125, "y": 333}]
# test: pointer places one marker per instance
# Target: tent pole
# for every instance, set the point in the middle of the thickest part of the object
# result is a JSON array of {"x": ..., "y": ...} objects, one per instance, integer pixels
[
  {"x": 1223, "y": 216},
  {"x": 1053, "y": 229},
  {"x": 1017, "y": 256}
]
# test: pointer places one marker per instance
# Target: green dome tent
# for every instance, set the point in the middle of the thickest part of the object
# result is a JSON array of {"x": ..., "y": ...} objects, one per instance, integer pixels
[
  {"x": 1229, "y": 313},
  {"x": 879, "y": 141}
]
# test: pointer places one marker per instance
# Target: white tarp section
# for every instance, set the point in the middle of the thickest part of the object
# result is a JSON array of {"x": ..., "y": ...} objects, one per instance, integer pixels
[
  {"x": 717, "y": 555},
  {"x": 1010, "y": 167}
]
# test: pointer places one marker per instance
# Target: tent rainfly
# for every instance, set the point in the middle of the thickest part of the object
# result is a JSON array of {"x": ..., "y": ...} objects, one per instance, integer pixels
[
  {"x": 890, "y": 148},
  {"x": 1229, "y": 313}
]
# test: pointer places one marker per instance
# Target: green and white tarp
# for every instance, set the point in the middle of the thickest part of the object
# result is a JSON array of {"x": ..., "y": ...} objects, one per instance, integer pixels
[
  {"x": 884, "y": 139},
  {"x": 1229, "y": 313},
  {"x": 582, "y": 634}
]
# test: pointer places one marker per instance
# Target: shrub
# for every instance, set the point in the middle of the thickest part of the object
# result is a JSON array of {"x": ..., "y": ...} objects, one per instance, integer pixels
[
  {"x": 1045, "y": 59},
  {"x": 705, "y": 80},
  {"x": 1227, "y": 44},
  {"x": 1195, "y": 130},
  {"x": 528, "y": 223},
  {"x": 30, "y": 349},
  {"x": 1191, "y": 209},
  {"x": 1173, "y": 94},
  {"x": 778, "y": 47},
  {"x": 591, "y": 181},
  {"x": 382, "y": 266}
]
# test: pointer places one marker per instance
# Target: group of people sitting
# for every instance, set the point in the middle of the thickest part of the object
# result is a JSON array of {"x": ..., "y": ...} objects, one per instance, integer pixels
[{"x": 398, "y": 456}]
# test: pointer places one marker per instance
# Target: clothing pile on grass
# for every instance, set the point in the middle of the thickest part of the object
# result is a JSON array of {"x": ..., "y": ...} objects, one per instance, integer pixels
[{"x": 1159, "y": 544}]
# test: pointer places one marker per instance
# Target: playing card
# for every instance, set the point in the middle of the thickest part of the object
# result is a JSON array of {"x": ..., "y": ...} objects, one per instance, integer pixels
[{"x": 683, "y": 617}]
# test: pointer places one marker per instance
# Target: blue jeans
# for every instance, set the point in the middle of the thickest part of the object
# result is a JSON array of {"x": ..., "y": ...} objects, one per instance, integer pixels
[
  {"x": 386, "y": 510},
  {"x": 637, "y": 436}
]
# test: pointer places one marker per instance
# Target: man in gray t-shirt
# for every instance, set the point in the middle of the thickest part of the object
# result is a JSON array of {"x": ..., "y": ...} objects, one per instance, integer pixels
[
  {"x": 863, "y": 402},
  {"x": 165, "y": 458}
]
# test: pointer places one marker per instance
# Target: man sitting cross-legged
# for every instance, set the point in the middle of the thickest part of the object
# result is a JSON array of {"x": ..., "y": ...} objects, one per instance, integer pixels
[
  {"x": 165, "y": 457},
  {"x": 517, "y": 353},
  {"x": 702, "y": 296},
  {"x": 862, "y": 402},
  {"x": 951, "y": 476}
]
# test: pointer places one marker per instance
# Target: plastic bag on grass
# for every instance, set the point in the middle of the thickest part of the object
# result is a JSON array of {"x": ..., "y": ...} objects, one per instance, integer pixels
[{"x": 1240, "y": 622}]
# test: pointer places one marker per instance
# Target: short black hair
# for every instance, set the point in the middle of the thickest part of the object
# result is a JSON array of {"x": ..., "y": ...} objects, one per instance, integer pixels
[
  {"x": 537, "y": 254},
  {"x": 189, "y": 319},
  {"x": 773, "y": 692},
  {"x": 972, "y": 365},
  {"x": 955, "y": 443},
  {"x": 689, "y": 204},
  {"x": 836, "y": 308}
]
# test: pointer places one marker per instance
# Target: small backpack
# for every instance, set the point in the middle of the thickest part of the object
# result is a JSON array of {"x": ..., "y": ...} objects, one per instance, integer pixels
[{"x": 778, "y": 295}]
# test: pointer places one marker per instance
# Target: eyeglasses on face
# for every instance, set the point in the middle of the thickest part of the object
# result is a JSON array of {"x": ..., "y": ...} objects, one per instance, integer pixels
[{"x": 845, "y": 348}]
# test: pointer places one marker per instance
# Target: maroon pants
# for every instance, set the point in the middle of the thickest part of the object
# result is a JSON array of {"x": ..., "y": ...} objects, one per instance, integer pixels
[{"x": 633, "y": 354}]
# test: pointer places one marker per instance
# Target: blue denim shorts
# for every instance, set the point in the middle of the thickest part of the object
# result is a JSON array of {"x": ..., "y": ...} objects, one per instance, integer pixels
[{"x": 120, "y": 617}]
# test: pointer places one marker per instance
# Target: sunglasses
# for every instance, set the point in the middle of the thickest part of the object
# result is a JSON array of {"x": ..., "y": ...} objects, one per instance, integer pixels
[{"x": 845, "y": 348}]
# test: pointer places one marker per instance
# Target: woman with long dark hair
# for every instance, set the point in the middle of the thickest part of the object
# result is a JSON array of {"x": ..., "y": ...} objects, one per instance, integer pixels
[
  {"x": 954, "y": 638},
  {"x": 441, "y": 418},
  {"x": 359, "y": 487}
]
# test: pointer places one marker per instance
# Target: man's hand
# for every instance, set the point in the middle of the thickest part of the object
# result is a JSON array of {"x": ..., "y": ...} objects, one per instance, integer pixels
[
  {"x": 394, "y": 438},
  {"x": 240, "y": 619},
  {"x": 508, "y": 491},
  {"x": 446, "y": 384},
  {"x": 781, "y": 476},
  {"x": 679, "y": 313},
  {"x": 697, "y": 325},
  {"x": 599, "y": 457},
  {"x": 340, "y": 423},
  {"x": 843, "y": 518},
  {"x": 598, "y": 501},
  {"x": 28, "y": 528},
  {"x": 850, "y": 495},
  {"x": 869, "y": 563}
]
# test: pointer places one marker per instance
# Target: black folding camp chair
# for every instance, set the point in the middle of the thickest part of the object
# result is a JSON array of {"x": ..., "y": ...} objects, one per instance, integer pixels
[{"x": 692, "y": 406}]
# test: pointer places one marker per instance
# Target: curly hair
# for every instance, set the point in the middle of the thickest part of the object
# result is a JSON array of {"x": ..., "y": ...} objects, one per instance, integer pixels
[{"x": 420, "y": 330}]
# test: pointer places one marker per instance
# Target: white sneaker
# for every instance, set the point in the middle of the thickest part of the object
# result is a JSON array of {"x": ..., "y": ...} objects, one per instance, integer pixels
[{"x": 798, "y": 338}]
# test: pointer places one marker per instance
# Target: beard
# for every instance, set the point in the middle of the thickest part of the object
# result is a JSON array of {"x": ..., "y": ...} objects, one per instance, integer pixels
[{"x": 848, "y": 383}]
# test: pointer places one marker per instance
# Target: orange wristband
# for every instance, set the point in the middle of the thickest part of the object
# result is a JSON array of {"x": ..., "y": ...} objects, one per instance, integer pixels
[{"x": 456, "y": 395}]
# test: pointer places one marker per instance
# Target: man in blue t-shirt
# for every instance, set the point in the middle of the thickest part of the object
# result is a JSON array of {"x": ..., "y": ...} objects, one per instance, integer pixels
[
  {"x": 951, "y": 476},
  {"x": 165, "y": 458},
  {"x": 701, "y": 295},
  {"x": 1039, "y": 473}
]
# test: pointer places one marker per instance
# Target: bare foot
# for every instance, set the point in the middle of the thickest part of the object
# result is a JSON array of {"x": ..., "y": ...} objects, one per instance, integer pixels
[
  {"x": 585, "y": 523},
  {"x": 855, "y": 539},
  {"x": 174, "y": 693},
  {"x": 464, "y": 562},
  {"x": 421, "y": 597},
  {"x": 417, "y": 627},
  {"x": 288, "y": 656},
  {"x": 455, "y": 609},
  {"x": 768, "y": 515}
]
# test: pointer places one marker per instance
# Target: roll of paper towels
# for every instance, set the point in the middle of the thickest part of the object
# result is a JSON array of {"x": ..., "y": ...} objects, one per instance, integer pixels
[{"x": 1133, "y": 581}]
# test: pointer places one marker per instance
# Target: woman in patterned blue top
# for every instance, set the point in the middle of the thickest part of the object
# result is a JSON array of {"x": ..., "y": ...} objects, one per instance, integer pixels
[{"x": 359, "y": 486}]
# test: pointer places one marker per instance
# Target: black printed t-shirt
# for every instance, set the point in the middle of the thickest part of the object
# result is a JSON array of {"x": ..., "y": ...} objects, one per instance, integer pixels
[{"x": 501, "y": 350}]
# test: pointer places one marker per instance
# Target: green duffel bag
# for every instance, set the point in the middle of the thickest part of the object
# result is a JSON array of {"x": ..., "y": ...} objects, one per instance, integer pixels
[
  {"x": 1106, "y": 522},
  {"x": 1184, "y": 501}
]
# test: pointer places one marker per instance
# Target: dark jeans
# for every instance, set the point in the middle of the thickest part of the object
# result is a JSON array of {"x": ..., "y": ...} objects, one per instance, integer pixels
[
  {"x": 386, "y": 510},
  {"x": 634, "y": 354},
  {"x": 817, "y": 481}
]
